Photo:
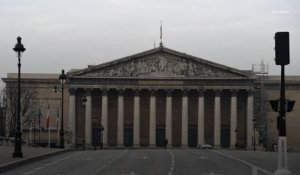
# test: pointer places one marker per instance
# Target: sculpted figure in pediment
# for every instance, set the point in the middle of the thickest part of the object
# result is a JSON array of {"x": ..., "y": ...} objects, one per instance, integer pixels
[{"x": 162, "y": 64}]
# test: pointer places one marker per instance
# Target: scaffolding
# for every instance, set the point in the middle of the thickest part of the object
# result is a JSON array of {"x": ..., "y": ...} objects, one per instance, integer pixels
[{"x": 260, "y": 104}]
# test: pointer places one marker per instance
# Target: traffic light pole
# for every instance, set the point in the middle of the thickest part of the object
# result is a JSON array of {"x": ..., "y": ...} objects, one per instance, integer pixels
[
  {"x": 282, "y": 101},
  {"x": 282, "y": 168}
]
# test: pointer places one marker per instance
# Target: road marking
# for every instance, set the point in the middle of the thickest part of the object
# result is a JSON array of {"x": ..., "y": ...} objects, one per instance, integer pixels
[
  {"x": 202, "y": 157},
  {"x": 172, "y": 163},
  {"x": 29, "y": 172},
  {"x": 211, "y": 173},
  {"x": 254, "y": 168},
  {"x": 131, "y": 173},
  {"x": 110, "y": 162},
  {"x": 145, "y": 157},
  {"x": 56, "y": 161}
]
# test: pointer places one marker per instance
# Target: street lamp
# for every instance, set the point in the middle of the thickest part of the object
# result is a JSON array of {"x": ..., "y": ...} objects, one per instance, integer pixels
[
  {"x": 62, "y": 78},
  {"x": 19, "y": 48},
  {"x": 254, "y": 139}
]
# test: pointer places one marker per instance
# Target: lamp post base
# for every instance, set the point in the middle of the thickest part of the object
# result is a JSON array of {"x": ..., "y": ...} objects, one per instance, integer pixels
[
  {"x": 282, "y": 168},
  {"x": 18, "y": 154},
  {"x": 18, "y": 145},
  {"x": 282, "y": 172}
]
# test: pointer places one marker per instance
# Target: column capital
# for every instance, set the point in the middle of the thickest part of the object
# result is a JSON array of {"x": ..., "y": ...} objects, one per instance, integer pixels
[
  {"x": 201, "y": 92},
  {"x": 104, "y": 91},
  {"x": 217, "y": 92},
  {"x": 152, "y": 92},
  {"x": 120, "y": 92},
  {"x": 185, "y": 92},
  {"x": 72, "y": 91},
  {"x": 250, "y": 92},
  {"x": 233, "y": 92},
  {"x": 168, "y": 92},
  {"x": 136, "y": 92},
  {"x": 88, "y": 91}
]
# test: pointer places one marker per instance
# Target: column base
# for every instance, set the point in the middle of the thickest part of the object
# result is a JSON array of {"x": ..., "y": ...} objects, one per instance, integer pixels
[
  {"x": 184, "y": 146},
  {"x": 70, "y": 146},
  {"x": 169, "y": 147},
  {"x": 105, "y": 146},
  {"x": 217, "y": 147},
  {"x": 136, "y": 146},
  {"x": 250, "y": 148},
  {"x": 88, "y": 147},
  {"x": 232, "y": 147},
  {"x": 120, "y": 146},
  {"x": 152, "y": 146}
]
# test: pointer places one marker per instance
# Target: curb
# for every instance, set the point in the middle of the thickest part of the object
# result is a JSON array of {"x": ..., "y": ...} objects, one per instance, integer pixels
[{"x": 23, "y": 161}]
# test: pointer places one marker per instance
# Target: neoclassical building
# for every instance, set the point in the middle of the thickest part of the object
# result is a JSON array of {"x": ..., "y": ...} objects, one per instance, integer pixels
[
  {"x": 159, "y": 96},
  {"x": 162, "y": 96}
]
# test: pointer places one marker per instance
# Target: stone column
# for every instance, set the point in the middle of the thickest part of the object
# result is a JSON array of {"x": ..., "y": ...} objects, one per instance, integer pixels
[
  {"x": 104, "y": 119},
  {"x": 233, "y": 119},
  {"x": 169, "y": 118},
  {"x": 184, "y": 120},
  {"x": 120, "y": 131},
  {"x": 217, "y": 120},
  {"x": 72, "y": 119},
  {"x": 136, "y": 119},
  {"x": 201, "y": 118},
  {"x": 152, "y": 120},
  {"x": 249, "y": 119},
  {"x": 88, "y": 118}
]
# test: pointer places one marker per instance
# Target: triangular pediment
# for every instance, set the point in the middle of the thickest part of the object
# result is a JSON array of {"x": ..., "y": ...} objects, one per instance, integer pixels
[{"x": 160, "y": 63}]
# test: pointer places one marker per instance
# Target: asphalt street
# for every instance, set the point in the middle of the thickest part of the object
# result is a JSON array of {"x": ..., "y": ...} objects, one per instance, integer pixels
[{"x": 155, "y": 162}]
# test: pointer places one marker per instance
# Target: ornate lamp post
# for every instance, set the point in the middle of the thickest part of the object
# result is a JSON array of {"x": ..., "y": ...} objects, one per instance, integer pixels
[
  {"x": 19, "y": 48},
  {"x": 62, "y": 78},
  {"x": 254, "y": 138}
]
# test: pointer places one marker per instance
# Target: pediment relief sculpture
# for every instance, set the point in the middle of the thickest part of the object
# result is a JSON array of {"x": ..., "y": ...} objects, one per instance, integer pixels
[{"x": 160, "y": 65}]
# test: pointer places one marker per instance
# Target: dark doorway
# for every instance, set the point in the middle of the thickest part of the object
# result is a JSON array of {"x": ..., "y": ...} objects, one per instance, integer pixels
[
  {"x": 192, "y": 137},
  {"x": 96, "y": 133},
  {"x": 128, "y": 137},
  {"x": 225, "y": 133},
  {"x": 160, "y": 137}
]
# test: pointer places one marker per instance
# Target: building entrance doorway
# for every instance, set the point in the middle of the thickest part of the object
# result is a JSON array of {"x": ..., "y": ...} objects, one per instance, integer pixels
[
  {"x": 160, "y": 137},
  {"x": 128, "y": 137}
]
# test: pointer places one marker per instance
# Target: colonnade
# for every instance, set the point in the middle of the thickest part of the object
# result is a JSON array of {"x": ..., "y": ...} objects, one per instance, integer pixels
[{"x": 168, "y": 118}]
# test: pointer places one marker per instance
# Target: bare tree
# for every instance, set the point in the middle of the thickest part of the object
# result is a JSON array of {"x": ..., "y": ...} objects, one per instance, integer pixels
[
  {"x": 29, "y": 107},
  {"x": 2, "y": 111}
]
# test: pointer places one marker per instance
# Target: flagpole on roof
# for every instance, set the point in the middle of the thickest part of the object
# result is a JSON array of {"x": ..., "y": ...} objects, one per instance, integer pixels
[{"x": 161, "y": 34}]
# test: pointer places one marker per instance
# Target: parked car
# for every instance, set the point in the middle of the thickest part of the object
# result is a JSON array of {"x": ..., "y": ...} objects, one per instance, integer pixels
[{"x": 205, "y": 146}]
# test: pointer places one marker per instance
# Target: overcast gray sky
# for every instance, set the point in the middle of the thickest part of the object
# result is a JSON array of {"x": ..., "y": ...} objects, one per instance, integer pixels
[{"x": 74, "y": 33}]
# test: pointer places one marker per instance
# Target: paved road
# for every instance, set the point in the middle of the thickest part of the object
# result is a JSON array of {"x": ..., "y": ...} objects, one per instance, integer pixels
[{"x": 154, "y": 162}]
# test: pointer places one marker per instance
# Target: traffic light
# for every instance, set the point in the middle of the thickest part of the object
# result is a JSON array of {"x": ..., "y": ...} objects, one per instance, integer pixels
[
  {"x": 282, "y": 48},
  {"x": 290, "y": 105},
  {"x": 275, "y": 105}
]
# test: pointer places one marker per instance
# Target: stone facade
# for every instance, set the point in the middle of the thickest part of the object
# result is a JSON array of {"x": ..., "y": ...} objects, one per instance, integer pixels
[{"x": 161, "y": 94}]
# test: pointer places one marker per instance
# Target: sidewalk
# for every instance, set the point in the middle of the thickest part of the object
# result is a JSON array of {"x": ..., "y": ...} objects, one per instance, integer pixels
[{"x": 29, "y": 154}]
